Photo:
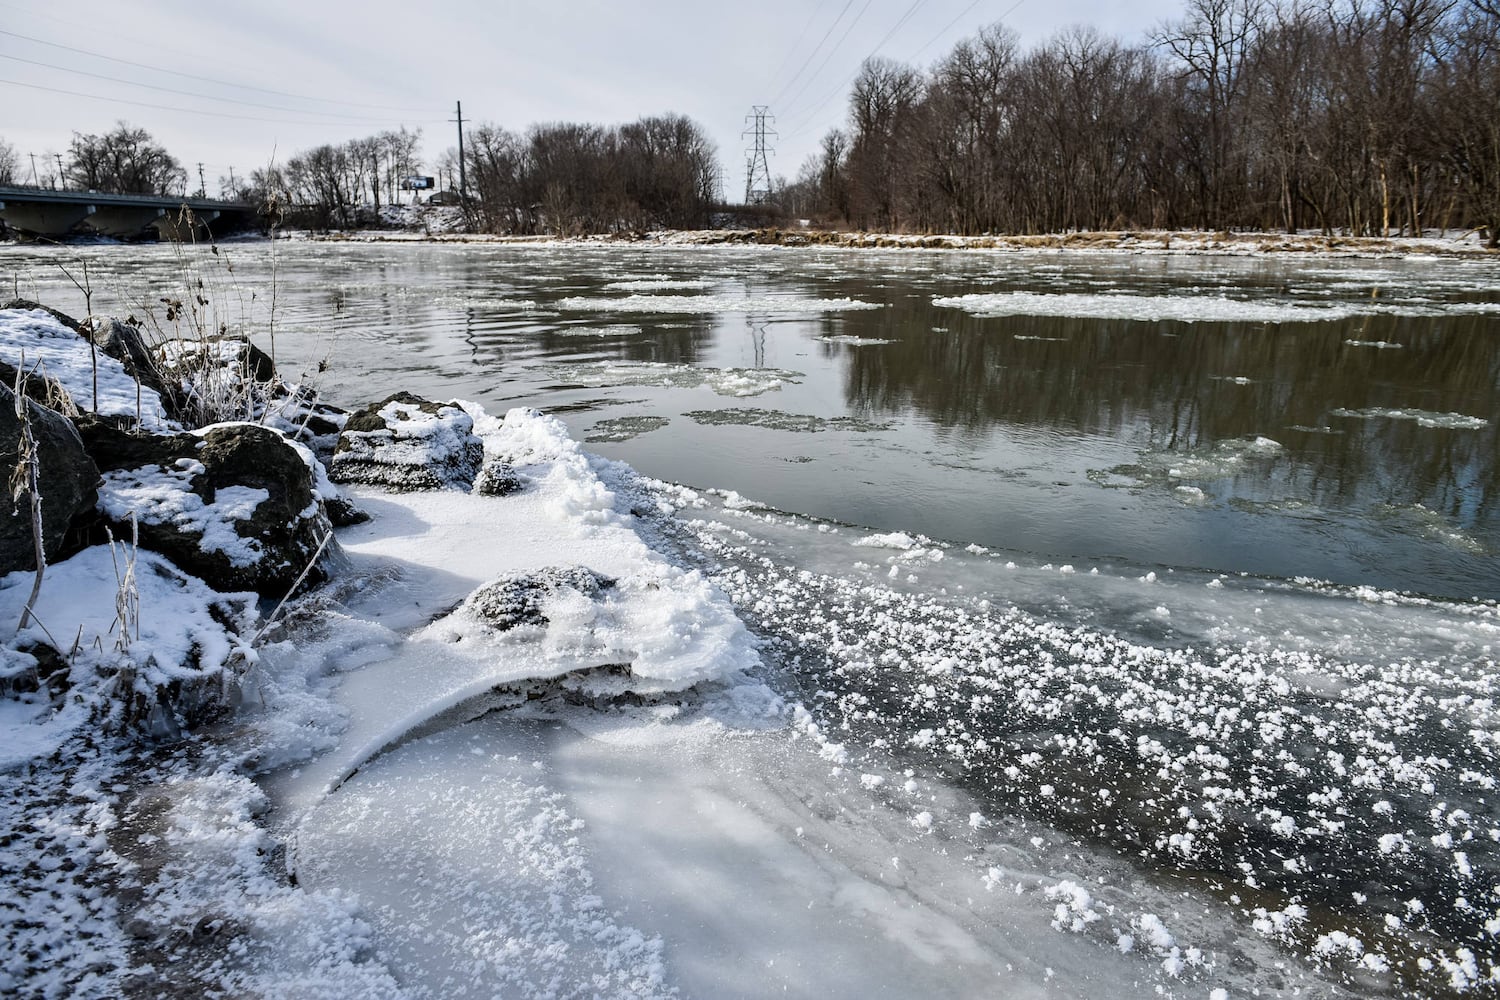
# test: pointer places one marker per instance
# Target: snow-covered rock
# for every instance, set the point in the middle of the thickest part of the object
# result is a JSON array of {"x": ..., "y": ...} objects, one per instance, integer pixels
[
  {"x": 235, "y": 504},
  {"x": 407, "y": 443},
  {"x": 66, "y": 480},
  {"x": 524, "y": 599}
]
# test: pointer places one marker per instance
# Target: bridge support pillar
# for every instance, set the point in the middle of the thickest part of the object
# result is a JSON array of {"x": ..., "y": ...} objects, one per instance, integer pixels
[
  {"x": 184, "y": 226},
  {"x": 123, "y": 221},
  {"x": 43, "y": 219}
]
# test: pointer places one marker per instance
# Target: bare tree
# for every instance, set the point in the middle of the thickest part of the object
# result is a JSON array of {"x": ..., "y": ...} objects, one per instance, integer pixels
[
  {"x": 124, "y": 161},
  {"x": 9, "y": 163}
]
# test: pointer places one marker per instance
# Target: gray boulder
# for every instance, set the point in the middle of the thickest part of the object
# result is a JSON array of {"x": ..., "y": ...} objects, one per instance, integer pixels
[
  {"x": 499, "y": 479},
  {"x": 124, "y": 342},
  {"x": 509, "y": 601},
  {"x": 407, "y": 443},
  {"x": 236, "y": 506},
  {"x": 67, "y": 481}
]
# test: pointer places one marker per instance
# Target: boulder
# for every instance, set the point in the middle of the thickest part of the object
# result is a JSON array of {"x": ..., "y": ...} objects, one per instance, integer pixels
[
  {"x": 67, "y": 481},
  {"x": 408, "y": 443},
  {"x": 61, "y": 317},
  {"x": 498, "y": 479},
  {"x": 510, "y": 601},
  {"x": 124, "y": 342},
  {"x": 236, "y": 505},
  {"x": 213, "y": 379},
  {"x": 297, "y": 413}
]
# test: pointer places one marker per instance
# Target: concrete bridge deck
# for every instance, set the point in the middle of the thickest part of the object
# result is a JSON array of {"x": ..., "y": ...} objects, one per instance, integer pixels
[{"x": 46, "y": 212}]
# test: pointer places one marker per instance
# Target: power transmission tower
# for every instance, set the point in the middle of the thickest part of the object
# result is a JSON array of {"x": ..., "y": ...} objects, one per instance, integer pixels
[{"x": 757, "y": 167}]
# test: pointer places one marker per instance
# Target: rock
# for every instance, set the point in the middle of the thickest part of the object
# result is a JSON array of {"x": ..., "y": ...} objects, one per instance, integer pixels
[
  {"x": 518, "y": 600},
  {"x": 498, "y": 479},
  {"x": 408, "y": 443},
  {"x": 298, "y": 414},
  {"x": 63, "y": 318},
  {"x": 214, "y": 379},
  {"x": 237, "y": 505},
  {"x": 124, "y": 343},
  {"x": 343, "y": 513},
  {"x": 67, "y": 482}
]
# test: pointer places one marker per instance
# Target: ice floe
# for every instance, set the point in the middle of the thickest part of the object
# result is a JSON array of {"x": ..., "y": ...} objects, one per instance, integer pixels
[
  {"x": 704, "y": 304},
  {"x": 724, "y": 381}
]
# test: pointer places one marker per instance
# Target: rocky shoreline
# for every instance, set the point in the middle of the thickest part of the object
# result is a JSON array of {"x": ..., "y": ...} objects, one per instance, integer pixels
[{"x": 197, "y": 457}]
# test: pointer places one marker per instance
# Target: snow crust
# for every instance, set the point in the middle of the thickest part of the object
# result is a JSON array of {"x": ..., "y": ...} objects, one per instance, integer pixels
[
  {"x": 38, "y": 337},
  {"x": 162, "y": 496},
  {"x": 669, "y": 625}
]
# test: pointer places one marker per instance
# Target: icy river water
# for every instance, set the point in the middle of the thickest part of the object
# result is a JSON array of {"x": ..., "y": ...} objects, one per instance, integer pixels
[{"x": 1130, "y": 619}]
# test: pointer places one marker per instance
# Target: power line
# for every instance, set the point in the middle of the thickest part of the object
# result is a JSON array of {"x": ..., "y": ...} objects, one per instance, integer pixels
[
  {"x": 961, "y": 15},
  {"x": 807, "y": 120},
  {"x": 842, "y": 38},
  {"x": 814, "y": 52},
  {"x": 189, "y": 93},
  {"x": 800, "y": 36},
  {"x": 888, "y": 35},
  {"x": 186, "y": 111},
  {"x": 209, "y": 79}
]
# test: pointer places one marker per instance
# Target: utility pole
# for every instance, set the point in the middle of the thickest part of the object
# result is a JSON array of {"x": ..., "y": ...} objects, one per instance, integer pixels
[
  {"x": 58, "y": 156},
  {"x": 463, "y": 187},
  {"x": 233, "y": 191},
  {"x": 34, "y": 182},
  {"x": 757, "y": 167},
  {"x": 202, "y": 184}
]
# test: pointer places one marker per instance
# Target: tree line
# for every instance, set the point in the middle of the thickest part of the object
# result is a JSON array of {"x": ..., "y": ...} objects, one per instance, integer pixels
[
  {"x": 568, "y": 179},
  {"x": 1363, "y": 116},
  {"x": 335, "y": 185}
]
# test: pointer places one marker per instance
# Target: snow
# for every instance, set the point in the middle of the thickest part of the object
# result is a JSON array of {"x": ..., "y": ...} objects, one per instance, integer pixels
[
  {"x": 179, "y": 631},
  {"x": 162, "y": 496},
  {"x": 45, "y": 344},
  {"x": 669, "y": 625}
]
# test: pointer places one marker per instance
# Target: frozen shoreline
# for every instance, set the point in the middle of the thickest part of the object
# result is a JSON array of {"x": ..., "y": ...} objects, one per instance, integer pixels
[{"x": 1309, "y": 244}]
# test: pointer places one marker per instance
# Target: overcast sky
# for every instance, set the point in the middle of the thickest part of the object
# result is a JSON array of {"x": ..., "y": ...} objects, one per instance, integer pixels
[{"x": 234, "y": 85}]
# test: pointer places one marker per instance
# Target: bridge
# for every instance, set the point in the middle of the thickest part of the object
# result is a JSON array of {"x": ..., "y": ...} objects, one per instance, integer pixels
[{"x": 45, "y": 212}]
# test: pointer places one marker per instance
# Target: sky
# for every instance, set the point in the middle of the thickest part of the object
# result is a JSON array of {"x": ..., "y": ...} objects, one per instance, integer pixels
[{"x": 240, "y": 85}]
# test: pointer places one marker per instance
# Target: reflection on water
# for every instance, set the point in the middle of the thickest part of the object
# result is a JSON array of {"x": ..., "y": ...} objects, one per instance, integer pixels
[{"x": 1360, "y": 448}]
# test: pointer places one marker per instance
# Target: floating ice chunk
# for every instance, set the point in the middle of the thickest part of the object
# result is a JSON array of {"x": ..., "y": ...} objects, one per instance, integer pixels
[
  {"x": 704, "y": 304},
  {"x": 1143, "y": 308},
  {"x": 892, "y": 540},
  {"x": 659, "y": 283},
  {"x": 739, "y": 382},
  {"x": 1423, "y": 418}
]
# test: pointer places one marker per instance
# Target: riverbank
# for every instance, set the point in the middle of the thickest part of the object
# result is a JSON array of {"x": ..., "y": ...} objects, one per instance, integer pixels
[{"x": 1464, "y": 245}]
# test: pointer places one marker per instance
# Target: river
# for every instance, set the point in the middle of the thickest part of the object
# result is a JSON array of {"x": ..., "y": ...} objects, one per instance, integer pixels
[{"x": 1137, "y": 575}]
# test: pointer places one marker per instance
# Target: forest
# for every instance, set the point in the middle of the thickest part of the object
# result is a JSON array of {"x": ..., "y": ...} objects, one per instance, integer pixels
[{"x": 1368, "y": 117}]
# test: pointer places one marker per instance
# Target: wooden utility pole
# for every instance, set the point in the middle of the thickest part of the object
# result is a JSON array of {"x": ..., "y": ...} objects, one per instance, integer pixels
[{"x": 463, "y": 187}]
